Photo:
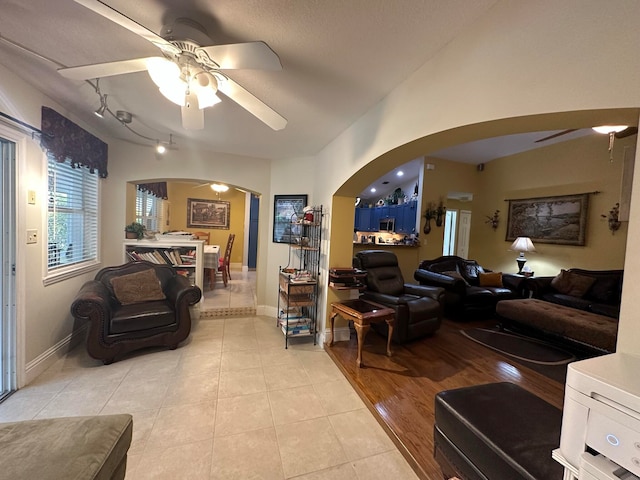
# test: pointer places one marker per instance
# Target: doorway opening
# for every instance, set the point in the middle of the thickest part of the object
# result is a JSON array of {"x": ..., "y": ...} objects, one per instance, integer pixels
[{"x": 7, "y": 269}]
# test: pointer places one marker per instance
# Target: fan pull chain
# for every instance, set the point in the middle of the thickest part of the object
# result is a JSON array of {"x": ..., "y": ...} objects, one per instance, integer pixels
[{"x": 611, "y": 140}]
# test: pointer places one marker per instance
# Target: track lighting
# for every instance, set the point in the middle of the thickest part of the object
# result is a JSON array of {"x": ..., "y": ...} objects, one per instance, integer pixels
[
  {"x": 160, "y": 148},
  {"x": 103, "y": 106}
]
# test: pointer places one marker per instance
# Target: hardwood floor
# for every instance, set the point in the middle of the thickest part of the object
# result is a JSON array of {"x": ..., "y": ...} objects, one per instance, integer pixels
[{"x": 400, "y": 390}]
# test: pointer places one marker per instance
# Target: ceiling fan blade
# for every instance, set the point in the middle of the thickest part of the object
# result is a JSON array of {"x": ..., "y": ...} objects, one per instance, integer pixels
[
  {"x": 252, "y": 104},
  {"x": 99, "y": 70},
  {"x": 627, "y": 132},
  {"x": 192, "y": 116},
  {"x": 111, "y": 14},
  {"x": 555, "y": 135},
  {"x": 250, "y": 55}
]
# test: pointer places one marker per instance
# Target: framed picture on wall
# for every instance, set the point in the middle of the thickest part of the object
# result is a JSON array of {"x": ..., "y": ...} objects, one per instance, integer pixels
[
  {"x": 561, "y": 220},
  {"x": 202, "y": 213},
  {"x": 287, "y": 209}
]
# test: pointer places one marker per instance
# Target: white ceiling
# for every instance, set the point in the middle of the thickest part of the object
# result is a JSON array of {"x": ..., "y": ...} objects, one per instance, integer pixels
[{"x": 339, "y": 59}]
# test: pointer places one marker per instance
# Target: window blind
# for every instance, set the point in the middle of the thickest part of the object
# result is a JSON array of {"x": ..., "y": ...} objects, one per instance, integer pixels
[{"x": 72, "y": 221}]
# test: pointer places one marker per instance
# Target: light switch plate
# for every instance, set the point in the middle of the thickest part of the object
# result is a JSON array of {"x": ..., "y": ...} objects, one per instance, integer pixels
[
  {"x": 32, "y": 236},
  {"x": 31, "y": 197}
]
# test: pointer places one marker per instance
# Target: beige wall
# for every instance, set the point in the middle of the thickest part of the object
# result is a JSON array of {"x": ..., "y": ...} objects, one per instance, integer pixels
[
  {"x": 525, "y": 66},
  {"x": 178, "y": 194},
  {"x": 577, "y": 166}
]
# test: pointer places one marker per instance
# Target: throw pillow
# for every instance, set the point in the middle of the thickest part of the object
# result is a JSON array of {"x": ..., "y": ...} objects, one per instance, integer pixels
[
  {"x": 143, "y": 286},
  {"x": 455, "y": 274},
  {"x": 491, "y": 279},
  {"x": 573, "y": 284}
]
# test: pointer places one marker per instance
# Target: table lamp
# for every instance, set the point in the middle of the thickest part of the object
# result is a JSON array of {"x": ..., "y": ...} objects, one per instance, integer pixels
[{"x": 522, "y": 244}]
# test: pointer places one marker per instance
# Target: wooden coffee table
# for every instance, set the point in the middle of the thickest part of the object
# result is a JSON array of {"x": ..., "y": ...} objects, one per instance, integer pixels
[{"x": 363, "y": 313}]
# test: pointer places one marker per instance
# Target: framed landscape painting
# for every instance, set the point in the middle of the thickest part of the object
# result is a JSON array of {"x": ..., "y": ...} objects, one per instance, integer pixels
[
  {"x": 287, "y": 209},
  {"x": 207, "y": 213},
  {"x": 560, "y": 220}
]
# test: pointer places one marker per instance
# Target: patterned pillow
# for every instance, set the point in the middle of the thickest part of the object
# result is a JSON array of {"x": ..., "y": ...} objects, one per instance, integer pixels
[
  {"x": 143, "y": 286},
  {"x": 573, "y": 284}
]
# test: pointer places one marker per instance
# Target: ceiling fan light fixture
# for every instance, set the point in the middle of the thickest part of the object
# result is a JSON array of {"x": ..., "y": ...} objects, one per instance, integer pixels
[
  {"x": 218, "y": 187},
  {"x": 608, "y": 129},
  {"x": 175, "y": 93}
]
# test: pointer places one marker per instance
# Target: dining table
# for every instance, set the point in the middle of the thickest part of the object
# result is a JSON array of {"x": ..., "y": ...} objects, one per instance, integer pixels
[{"x": 210, "y": 262}]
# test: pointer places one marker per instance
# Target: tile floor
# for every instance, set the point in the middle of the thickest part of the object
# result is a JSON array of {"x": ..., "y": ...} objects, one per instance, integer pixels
[{"x": 230, "y": 403}]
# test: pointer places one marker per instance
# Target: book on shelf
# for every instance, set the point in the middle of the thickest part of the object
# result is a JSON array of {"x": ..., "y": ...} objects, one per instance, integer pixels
[{"x": 291, "y": 332}]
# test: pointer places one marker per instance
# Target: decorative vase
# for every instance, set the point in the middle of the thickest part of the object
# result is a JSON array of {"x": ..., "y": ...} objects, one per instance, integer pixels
[
  {"x": 427, "y": 227},
  {"x": 439, "y": 220},
  {"x": 131, "y": 235}
]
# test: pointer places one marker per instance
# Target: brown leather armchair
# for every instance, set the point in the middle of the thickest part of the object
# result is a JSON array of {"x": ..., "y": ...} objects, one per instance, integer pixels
[
  {"x": 418, "y": 309},
  {"x": 133, "y": 306}
]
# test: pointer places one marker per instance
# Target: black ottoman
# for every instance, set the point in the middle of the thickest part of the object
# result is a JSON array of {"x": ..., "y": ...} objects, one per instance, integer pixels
[{"x": 497, "y": 431}]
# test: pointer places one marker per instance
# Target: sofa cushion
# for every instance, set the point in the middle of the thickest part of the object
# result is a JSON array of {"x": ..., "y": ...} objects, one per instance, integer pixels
[
  {"x": 72, "y": 447},
  {"x": 567, "y": 301},
  {"x": 444, "y": 266},
  {"x": 606, "y": 290},
  {"x": 573, "y": 284},
  {"x": 141, "y": 316},
  {"x": 138, "y": 287},
  {"x": 491, "y": 279},
  {"x": 455, "y": 274},
  {"x": 471, "y": 272}
]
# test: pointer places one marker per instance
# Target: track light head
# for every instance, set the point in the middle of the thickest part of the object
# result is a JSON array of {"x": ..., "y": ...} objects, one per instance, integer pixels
[{"x": 103, "y": 106}]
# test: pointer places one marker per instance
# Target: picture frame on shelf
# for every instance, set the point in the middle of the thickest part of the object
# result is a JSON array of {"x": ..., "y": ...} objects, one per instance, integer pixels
[
  {"x": 560, "y": 220},
  {"x": 205, "y": 213},
  {"x": 287, "y": 209}
]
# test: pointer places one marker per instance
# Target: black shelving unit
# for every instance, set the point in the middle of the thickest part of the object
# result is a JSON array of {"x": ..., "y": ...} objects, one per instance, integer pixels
[{"x": 298, "y": 281}]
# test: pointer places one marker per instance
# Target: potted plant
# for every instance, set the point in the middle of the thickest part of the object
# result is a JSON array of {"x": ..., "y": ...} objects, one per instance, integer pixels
[{"x": 134, "y": 230}]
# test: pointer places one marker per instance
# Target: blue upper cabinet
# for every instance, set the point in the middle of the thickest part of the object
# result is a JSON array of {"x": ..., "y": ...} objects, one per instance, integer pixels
[
  {"x": 364, "y": 220},
  {"x": 368, "y": 219}
]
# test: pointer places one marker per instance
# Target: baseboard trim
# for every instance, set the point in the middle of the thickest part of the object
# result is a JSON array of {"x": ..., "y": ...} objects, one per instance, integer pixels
[
  {"x": 267, "y": 310},
  {"x": 342, "y": 334},
  {"x": 47, "y": 358}
]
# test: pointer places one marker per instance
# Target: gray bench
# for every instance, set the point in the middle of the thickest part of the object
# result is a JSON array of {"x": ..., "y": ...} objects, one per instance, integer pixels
[{"x": 66, "y": 448}]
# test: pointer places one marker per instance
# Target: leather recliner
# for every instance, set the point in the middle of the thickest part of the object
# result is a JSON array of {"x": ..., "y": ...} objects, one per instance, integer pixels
[
  {"x": 465, "y": 295},
  {"x": 116, "y": 328},
  {"x": 418, "y": 309}
]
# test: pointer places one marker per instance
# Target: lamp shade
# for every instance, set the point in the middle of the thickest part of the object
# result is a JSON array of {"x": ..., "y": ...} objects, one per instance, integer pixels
[{"x": 523, "y": 244}]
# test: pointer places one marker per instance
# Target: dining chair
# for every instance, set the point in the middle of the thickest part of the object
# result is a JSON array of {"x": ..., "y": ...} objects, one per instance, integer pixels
[
  {"x": 225, "y": 261},
  {"x": 206, "y": 236}
]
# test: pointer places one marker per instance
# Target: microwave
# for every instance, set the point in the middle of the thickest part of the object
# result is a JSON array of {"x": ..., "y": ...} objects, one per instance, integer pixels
[{"x": 387, "y": 224}]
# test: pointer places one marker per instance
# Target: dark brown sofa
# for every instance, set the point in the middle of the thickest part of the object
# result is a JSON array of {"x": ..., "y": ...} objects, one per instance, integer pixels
[
  {"x": 596, "y": 291},
  {"x": 133, "y": 306},
  {"x": 469, "y": 292}
]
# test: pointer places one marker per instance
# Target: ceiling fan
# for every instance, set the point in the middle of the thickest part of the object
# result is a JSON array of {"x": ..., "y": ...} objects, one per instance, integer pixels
[
  {"x": 627, "y": 132},
  {"x": 188, "y": 73}
]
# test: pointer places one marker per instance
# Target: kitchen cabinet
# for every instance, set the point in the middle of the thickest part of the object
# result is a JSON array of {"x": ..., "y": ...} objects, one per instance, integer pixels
[{"x": 364, "y": 220}]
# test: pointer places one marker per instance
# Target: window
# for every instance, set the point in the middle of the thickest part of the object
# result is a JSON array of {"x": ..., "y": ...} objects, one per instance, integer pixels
[
  {"x": 72, "y": 219},
  {"x": 149, "y": 211}
]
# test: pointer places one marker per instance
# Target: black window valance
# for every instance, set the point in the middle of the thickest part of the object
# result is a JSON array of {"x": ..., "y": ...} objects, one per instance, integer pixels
[
  {"x": 158, "y": 189},
  {"x": 66, "y": 140}
]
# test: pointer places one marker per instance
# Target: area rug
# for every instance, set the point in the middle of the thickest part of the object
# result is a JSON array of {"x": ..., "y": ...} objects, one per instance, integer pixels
[
  {"x": 540, "y": 356},
  {"x": 519, "y": 347}
]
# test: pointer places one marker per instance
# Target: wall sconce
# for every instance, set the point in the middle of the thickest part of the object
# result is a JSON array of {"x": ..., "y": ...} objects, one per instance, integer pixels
[
  {"x": 493, "y": 221},
  {"x": 612, "y": 218}
]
